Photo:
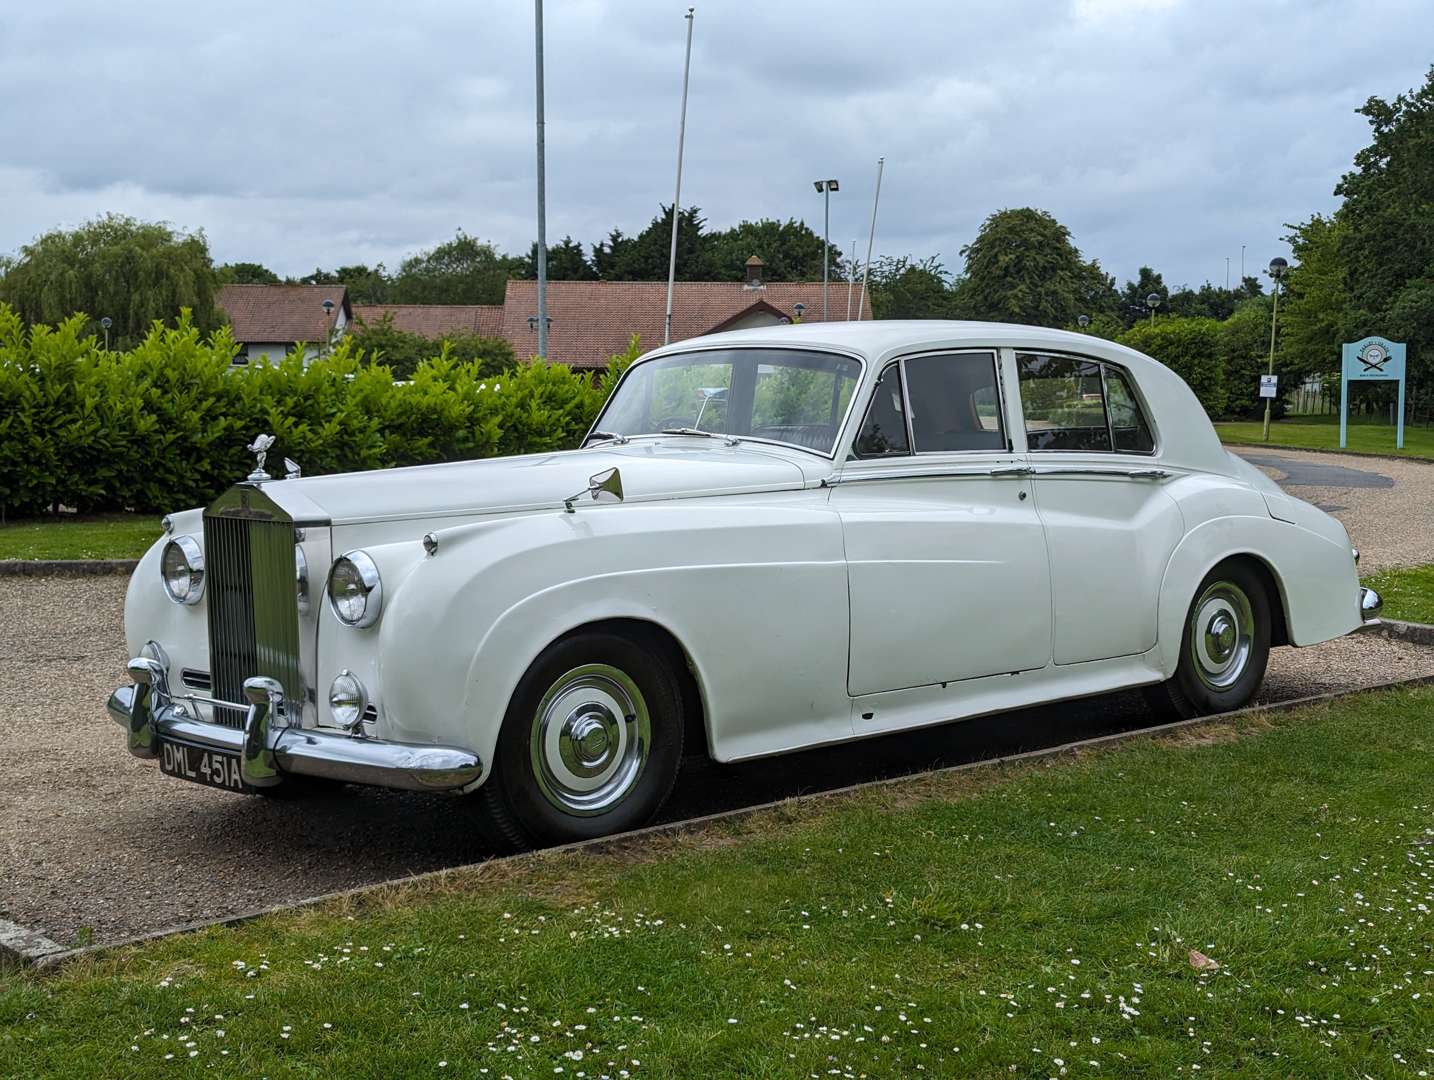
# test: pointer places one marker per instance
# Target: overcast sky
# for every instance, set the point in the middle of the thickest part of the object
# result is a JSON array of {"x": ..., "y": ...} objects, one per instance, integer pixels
[{"x": 1166, "y": 132}]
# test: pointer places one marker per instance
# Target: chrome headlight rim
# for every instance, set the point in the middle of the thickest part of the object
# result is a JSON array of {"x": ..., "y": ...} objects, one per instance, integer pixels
[
  {"x": 370, "y": 582},
  {"x": 193, "y": 556},
  {"x": 358, "y": 695}
]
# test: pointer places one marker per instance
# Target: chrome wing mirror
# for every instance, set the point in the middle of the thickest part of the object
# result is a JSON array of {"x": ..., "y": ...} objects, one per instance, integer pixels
[{"x": 605, "y": 486}]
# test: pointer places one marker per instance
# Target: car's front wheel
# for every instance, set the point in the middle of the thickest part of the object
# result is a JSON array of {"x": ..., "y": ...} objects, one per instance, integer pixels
[
  {"x": 591, "y": 744},
  {"x": 1224, "y": 648}
]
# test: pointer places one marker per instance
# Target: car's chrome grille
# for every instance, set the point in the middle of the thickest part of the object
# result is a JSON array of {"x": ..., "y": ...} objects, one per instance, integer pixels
[{"x": 253, "y": 607}]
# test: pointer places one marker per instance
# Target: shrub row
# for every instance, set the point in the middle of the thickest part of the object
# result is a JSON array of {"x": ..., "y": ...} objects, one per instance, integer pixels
[{"x": 165, "y": 424}]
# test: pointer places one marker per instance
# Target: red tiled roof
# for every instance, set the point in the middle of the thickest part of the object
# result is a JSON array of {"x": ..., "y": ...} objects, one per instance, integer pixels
[
  {"x": 436, "y": 320},
  {"x": 592, "y": 320},
  {"x": 281, "y": 313}
]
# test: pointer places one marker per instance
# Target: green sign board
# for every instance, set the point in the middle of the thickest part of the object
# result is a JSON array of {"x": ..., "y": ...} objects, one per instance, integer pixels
[{"x": 1370, "y": 360}]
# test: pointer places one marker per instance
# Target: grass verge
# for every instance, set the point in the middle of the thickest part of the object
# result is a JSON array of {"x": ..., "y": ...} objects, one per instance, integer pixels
[
  {"x": 1408, "y": 594},
  {"x": 1034, "y": 919},
  {"x": 98, "y": 536},
  {"x": 1366, "y": 434}
]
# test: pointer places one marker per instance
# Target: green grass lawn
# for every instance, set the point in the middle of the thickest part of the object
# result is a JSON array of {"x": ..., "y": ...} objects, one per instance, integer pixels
[
  {"x": 1408, "y": 594},
  {"x": 1366, "y": 434},
  {"x": 97, "y": 536},
  {"x": 1035, "y": 920}
]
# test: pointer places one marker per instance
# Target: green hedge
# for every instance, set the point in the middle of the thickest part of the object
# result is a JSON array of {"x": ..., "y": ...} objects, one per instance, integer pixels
[
  {"x": 165, "y": 424},
  {"x": 1192, "y": 348}
]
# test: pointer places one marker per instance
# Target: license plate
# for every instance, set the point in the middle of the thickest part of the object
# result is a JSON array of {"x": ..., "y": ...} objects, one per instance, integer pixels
[{"x": 214, "y": 768}]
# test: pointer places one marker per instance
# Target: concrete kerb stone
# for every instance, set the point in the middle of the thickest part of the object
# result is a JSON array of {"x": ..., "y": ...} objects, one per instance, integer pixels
[{"x": 65, "y": 567}]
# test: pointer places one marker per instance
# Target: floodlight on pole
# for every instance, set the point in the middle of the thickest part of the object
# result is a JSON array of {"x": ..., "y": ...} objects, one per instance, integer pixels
[
  {"x": 677, "y": 197},
  {"x": 542, "y": 259},
  {"x": 1278, "y": 267},
  {"x": 825, "y": 189}
]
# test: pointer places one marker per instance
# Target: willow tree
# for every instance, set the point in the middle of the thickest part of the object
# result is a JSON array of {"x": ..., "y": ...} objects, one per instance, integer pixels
[{"x": 132, "y": 272}]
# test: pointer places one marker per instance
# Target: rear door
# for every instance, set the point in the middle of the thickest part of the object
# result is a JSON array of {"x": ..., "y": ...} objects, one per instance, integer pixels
[
  {"x": 946, "y": 558},
  {"x": 1109, "y": 525}
]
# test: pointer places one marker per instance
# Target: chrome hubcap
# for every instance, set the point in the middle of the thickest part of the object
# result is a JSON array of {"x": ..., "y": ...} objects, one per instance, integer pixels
[
  {"x": 1222, "y": 634},
  {"x": 591, "y": 739}
]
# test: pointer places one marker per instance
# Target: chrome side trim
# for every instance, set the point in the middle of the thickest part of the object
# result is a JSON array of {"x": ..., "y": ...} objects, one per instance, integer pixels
[
  {"x": 1134, "y": 474},
  {"x": 1011, "y": 472}
]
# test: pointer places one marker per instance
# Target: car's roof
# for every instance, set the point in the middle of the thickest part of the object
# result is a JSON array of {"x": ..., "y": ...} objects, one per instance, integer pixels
[
  {"x": 877, "y": 338},
  {"x": 1186, "y": 434}
]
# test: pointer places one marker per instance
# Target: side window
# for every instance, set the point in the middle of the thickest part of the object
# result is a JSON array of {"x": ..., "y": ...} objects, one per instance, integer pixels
[
  {"x": 955, "y": 402},
  {"x": 1127, "y": 422},
  {"x": 883, "y": 432},
  {"x": 1063, "y": 404}
]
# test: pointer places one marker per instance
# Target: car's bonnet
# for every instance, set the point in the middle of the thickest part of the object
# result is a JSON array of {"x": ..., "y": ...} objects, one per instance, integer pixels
[{"x": 651, "y": 469}]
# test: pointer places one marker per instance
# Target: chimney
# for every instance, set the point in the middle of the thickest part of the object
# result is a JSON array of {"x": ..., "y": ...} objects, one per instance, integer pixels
[{"x": 754, "y": 273}]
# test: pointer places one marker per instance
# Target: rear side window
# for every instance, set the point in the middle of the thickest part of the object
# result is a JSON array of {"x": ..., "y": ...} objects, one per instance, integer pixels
[
  {"x": 955, "y": 402},
  {"x": 1076, "y": 404},
  {"x": 883, "y": 432}
]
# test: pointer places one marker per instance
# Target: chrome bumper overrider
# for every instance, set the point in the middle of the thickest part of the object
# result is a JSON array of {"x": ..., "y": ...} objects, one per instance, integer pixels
[
  {"x": 269, "y": 748},
  {"x": 1370, "y": 604}
]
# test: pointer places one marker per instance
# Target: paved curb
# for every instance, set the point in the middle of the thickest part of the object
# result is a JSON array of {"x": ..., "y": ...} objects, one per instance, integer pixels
[
  {"x": 678, "y": 828},
  {"x": 1313, "y": 450},
  {"x": 1413, "y": 632},
  {"x": 20, "y": 945},
  {"x": 65, "y": 567}
]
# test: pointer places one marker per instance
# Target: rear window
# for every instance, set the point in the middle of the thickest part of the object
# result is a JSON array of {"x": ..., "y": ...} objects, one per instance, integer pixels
[{"x": 1076, "y": 404}]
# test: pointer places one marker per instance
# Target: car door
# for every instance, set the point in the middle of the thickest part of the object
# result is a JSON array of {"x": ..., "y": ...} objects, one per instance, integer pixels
[
  {"x": 1109, "y": 525},
  {"x": 946, "y": 557}
]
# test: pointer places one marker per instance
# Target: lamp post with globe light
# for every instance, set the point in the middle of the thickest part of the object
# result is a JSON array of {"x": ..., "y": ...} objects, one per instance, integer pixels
[
  {"x": 1278, "y": 267},
  {"x": 1152, "y": 302},
  {"x": 105, "y": 325}
]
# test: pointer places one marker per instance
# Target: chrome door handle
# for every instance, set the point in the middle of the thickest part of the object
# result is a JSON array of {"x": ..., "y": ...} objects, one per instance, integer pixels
[
  {"x": 1147, "y": 474},
  {"x": 1014, "y": 470}
]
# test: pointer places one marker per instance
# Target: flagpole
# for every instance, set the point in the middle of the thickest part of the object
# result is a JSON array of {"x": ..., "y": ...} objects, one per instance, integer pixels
[
  {"x": 677, "y": 197},
  {"x": 542, "y": 194},
  {"x": 871, "y": 238}
]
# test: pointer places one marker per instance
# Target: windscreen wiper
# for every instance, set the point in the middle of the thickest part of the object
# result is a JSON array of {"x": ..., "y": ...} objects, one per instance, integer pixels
[
  {"x": 730, "y": 440},
  {"x": 607, "y": 436}
]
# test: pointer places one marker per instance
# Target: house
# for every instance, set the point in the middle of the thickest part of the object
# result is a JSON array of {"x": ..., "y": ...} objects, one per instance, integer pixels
[
  {"x": 435, "y": 320},
  {"x": 589, "y": 321},
  {"x": 269, "y": 320}
]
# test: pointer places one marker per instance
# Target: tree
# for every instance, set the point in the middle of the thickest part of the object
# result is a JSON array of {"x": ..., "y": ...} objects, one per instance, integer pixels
[
  {"x": 1133, "y": 305},
  {"x": 401, "y": 352},
  {"x": 364, "y": 285},
  {"x": 1244, "y": 351},
  {"x": 1022, "y": 267},
  {"x": 1191, "y": 349},
  {"x": 133, "y": 272},
  {"x": 566, "y": 262},
  {"x": 904, "y": 289},
  {"x": 644, "y": 257},
  {"x": 1315, "y": 310},
  {"x": 246, "y": 273},
  {"x": 463, "y": 270},
  {"x": 789, "y": 250}
]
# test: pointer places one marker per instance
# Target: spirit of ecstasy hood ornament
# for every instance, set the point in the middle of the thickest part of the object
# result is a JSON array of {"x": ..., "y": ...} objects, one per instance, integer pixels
[{"x": 260, "y": 448}]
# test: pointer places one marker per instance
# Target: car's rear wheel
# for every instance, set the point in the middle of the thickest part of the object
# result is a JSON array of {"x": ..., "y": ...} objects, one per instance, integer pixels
[
  {"x": 1224, "y": 648},
  {"x": 591, "y": 744}
]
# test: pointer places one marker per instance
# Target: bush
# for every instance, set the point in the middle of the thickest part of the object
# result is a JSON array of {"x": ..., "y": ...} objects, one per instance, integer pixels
[
  {"x": 165, "y": 425},
  {"x": 1190, "y": 348},
  {"x": 402, "y": 352}
]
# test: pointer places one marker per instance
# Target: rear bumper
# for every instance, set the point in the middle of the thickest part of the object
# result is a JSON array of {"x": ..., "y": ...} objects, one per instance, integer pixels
[
  {"x": 1370, "y": 604},
  {"x": 269, "y": 749}
]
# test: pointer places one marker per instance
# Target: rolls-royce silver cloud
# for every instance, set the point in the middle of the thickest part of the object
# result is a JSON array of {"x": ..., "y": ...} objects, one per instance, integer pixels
[{"x": 770, "y": 540}]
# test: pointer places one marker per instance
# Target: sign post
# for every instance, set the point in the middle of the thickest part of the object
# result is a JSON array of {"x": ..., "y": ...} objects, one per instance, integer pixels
[{"x": 1370, "y": 360}]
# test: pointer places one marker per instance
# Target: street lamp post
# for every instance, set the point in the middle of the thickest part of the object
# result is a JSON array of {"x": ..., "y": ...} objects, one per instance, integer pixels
[
  {"x": 1083, "y": 321},
  {"x": 1278, "y": 267},
  {"x": 1152, "y": 302},
  {"x": 825, "y": 189},
  {"x": 105, "y": 325},
  {"x": 542, "y": 186}
]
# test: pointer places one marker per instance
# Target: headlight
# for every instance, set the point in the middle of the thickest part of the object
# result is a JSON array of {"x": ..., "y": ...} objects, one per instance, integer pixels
[
  {"x": 355, "y": 590},
  {"x": 301, "y": 578},
  {"x": 347, "y": 699},
  {"x": 182, "y": 567}
]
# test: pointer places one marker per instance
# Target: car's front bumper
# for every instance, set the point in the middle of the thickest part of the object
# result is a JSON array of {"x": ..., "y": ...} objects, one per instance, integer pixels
[{"x": 270, "y": 749}]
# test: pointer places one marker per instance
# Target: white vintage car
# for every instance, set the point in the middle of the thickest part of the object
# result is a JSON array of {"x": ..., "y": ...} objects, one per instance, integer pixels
[{"x": 772, "y": 539}]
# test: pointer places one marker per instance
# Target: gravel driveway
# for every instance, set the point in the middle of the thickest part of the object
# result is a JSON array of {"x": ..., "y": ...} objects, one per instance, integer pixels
[{"x": 96, "y": 844}]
